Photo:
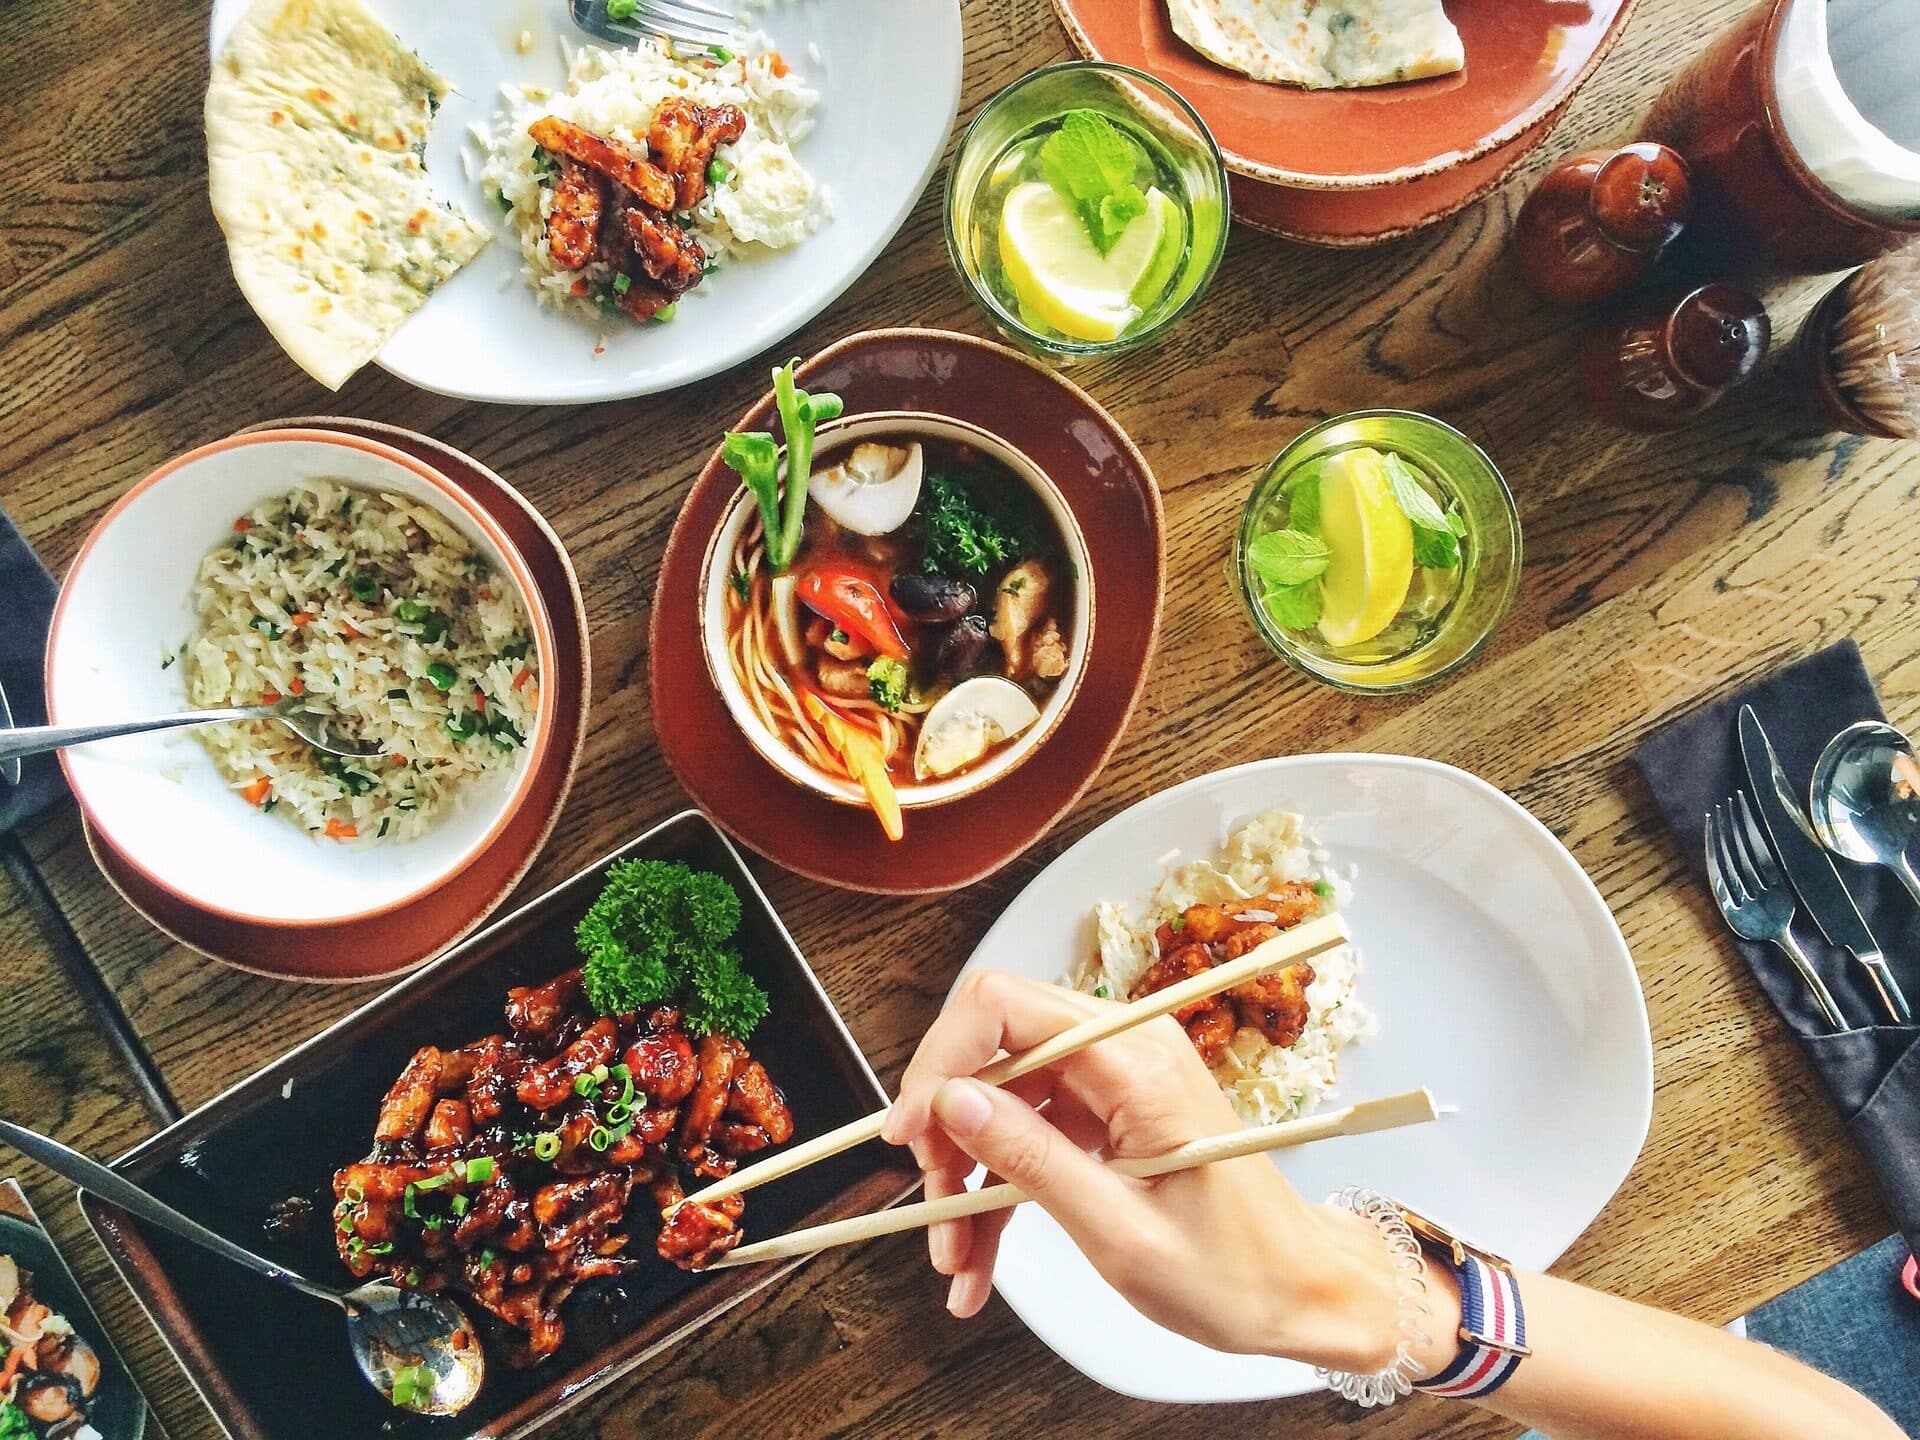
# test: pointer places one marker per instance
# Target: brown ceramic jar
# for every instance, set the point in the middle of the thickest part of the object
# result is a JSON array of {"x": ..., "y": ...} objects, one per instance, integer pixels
[
  {"x": 1595, "y": 225},
  {"x": 1752, "y": 190},
  {"x": 1668, "y": 359}
]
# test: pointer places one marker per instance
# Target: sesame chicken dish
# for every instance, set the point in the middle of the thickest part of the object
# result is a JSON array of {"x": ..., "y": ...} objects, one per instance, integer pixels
[{"x": 515, "y": 1168}]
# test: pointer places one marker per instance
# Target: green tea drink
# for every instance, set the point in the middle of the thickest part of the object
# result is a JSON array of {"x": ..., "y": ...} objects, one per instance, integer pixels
[
  {"x": 1084, "y": 211},
  {"x": 1378, "y": 550}
]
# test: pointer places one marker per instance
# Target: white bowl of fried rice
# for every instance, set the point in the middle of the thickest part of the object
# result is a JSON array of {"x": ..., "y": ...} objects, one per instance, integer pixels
[{"x": 302, "y": 562}]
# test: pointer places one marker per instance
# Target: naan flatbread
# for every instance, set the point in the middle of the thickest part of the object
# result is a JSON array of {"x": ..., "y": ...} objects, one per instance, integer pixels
[
  {"x": 1323, "y": 44},
  {"x": 317, "y": 117}
]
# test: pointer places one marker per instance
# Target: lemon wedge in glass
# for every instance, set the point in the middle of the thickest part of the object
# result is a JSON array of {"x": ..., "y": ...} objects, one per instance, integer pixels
[
  {"x": 1370, "y": 547},
  {"x": 1059, "y": 274}
]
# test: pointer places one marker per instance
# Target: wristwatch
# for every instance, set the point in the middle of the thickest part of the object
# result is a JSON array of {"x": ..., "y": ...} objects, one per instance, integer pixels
[{"x": 1493, "y": 1321}]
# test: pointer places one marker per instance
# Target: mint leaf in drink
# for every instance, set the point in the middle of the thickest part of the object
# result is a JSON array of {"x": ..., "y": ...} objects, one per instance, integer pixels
[
  {"x": 1294, "y": 607},
  {"x": 1436, "y": 532},
  {"x": 1092, "y": 162},
  {"x": 1116, "y": 212},
  {"x": 1435, "y": 549},
  {"x": 1283, "y": 558},
  {"x": 1303, "y": 504},
  {"x": 1413, "y": 497}
]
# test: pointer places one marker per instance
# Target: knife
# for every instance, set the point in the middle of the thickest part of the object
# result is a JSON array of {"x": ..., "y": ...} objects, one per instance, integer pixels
[{"x": 1809, "y": 867}]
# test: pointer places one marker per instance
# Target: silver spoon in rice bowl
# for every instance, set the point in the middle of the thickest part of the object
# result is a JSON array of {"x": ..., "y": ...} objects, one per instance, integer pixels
[
  {"x": 317, "y": 727},
  {"x": 416, "y": 1347}
]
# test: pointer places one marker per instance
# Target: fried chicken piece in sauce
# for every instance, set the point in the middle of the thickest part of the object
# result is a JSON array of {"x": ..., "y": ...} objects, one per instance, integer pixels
[
  {"x": 670, "y": 256},
  {"x": 609, "y": 157},
  {"x": 1274, "y": 1004},
  {"x": 758, "y": 1101},
  {"x": 682, "y": 140},
  {"x": 454, "y": 1179},
  {"x": 573, "y": 223},
  {"x": 410, "y": 1101}
]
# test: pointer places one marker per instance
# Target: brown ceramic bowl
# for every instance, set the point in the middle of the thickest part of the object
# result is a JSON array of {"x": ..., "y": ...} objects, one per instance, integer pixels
[
  {"x": 1354, "y": 167},
  {"x": 274, "y": 1365},
  {"x": 385, "y": 945},
  {"x": 835, "y": 437},
  {"x": 1110, "y": 491}
]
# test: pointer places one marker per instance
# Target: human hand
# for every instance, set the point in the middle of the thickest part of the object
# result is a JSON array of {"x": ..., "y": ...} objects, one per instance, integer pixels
[{"x": 1228, "y": 1254}]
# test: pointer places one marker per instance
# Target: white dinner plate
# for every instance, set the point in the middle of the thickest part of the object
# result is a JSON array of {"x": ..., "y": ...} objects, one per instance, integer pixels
[
  {"x": 888, "y": 74},
  {"x": 1501, "y": 983}
]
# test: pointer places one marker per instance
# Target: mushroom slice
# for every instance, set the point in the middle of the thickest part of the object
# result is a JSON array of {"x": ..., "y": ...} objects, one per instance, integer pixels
[
  {"x": 873, "y": 490},
  {"x": 9, "y": 1283},
  {"x": 967, "y": 722}
]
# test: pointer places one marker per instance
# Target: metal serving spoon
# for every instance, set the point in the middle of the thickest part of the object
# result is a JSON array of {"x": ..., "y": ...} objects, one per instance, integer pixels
[
  {"x": 1865, "y": 798},
  {"x": 311, "y": 725},
  {"x": 9, "y": 766},
  {"x": 389, "y": 1329}
]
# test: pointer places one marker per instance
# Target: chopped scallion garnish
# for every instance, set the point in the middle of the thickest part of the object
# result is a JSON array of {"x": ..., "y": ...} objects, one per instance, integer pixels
[
  {"x": 546, "y": 1145},
  {"x": 442, "y": 675},
  {"x": 480, "y": 1170}
]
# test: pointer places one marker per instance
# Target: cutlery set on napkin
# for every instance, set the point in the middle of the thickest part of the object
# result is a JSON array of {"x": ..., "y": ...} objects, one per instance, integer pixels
[{"x": 1793, "y": 799}]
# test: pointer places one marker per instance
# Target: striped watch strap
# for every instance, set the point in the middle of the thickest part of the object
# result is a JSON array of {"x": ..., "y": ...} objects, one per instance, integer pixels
[{"x": 1493, "y": 1333}]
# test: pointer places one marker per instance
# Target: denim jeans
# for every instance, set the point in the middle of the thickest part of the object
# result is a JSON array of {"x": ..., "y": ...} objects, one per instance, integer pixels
[{"x": 1857, "y": 1324}]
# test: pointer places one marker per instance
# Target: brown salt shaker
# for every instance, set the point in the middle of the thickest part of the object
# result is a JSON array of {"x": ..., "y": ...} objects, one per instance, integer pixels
[
  {"x": 1669, "y": 358},
  {"x": 1595, "y": 225}
]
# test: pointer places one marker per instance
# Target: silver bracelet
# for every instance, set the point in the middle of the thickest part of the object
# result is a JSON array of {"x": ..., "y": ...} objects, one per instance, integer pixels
[{"x": 1383, "y": 1387}]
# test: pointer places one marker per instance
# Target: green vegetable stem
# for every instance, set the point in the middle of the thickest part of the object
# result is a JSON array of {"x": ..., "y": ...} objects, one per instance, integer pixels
[{"x": 756, "y": 458}]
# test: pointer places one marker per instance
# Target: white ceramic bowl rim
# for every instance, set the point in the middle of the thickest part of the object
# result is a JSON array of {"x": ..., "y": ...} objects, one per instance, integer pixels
[
  {"x": 834, "y": 435},
  {"x": 448, "y": 496}
]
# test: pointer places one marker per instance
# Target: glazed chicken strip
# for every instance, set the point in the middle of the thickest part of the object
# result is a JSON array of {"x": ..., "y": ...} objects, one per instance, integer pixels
[
  {"x": 670, "y": 256},
  {"x": 411, "y": 1099},
  {"x": 573, "y": 224},
  {"x": 610, "y": 158},
  {"x": 684, "y": 136}
]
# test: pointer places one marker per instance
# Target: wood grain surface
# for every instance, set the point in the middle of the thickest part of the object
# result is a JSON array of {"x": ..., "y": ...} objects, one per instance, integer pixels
[{"x": 1658, "y": 571}]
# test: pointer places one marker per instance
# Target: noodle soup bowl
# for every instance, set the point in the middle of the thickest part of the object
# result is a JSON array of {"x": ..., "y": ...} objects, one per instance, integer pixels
[
  {"x": 158, "y": 800},
  {"x": 899, "y": 428}
]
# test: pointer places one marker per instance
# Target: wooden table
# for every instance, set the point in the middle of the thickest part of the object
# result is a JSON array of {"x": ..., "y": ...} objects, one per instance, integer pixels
[{"x": 1657, "y": 571}]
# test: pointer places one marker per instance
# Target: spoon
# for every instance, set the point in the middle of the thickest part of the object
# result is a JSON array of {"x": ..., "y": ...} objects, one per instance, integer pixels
[
  {"x": 389, "y": 1329},
  {"x": 9, "y": 767},
  {"x": 1865, "y": 799},
  {"x": 298, "y": 715}
]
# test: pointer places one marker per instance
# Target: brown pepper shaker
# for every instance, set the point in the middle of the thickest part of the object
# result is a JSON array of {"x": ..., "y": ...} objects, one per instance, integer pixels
[
  {"x": 1595, "y": 225},
  {"x": 1668, "y": 359}
]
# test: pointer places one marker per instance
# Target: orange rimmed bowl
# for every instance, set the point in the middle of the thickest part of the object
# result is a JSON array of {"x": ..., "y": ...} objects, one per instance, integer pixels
[
  {"x": 1356, "y": 167},
  {"x": 158, "y": 800}
]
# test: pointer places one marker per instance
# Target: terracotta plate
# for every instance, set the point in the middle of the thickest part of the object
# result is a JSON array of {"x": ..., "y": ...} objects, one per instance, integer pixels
[
  {"x": 388, "y": 944},
  {"x": 274, "y": 1365},
  {"x": 1111, "y": 492},
  {"x": 1524, "y": 60}
]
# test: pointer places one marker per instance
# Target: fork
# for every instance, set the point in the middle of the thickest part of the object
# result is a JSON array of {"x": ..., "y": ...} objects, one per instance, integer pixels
[
  {"x": 1752, "y": 893},
  {"x": 691, "y": 23}
]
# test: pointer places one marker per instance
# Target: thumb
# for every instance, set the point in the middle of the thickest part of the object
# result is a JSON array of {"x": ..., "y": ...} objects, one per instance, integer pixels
[{"x": 1017, "y": 1143}]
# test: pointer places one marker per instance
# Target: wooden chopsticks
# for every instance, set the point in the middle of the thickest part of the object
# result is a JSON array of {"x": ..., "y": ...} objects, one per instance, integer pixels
[
  {"x": 1413, "y": 1107},
  {"x": 1303, "y": 942}
]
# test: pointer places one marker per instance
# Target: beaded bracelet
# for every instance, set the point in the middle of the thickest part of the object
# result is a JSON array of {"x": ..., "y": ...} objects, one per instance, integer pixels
[{"x": 1383, "y": 1387}]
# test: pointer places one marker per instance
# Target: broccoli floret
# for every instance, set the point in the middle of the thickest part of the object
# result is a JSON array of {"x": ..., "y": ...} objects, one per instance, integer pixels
[
  {"x": 887, "y": 682},
  {"x": 14, "y": 1424},
  {"x": 660, "y": 932},
  {"x": 963, "y": 537}
]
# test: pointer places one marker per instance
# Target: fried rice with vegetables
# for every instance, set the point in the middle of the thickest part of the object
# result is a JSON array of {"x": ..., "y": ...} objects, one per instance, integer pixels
[{"x": 384, "y": 613}]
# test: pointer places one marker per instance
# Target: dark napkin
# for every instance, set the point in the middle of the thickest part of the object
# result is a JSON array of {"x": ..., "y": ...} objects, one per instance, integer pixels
[
  {"x": 1873, "y": 1071},
  {"x": 27, "y": 594}
]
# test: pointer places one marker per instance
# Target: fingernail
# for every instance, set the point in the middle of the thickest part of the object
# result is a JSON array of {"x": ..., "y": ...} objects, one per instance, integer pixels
[
  {"x": 963, "y": 1107},
  {"x": 955, "y": 1295},
  {"x": 940, "y": 1247},
  {"x": 890, "y": 1127}
]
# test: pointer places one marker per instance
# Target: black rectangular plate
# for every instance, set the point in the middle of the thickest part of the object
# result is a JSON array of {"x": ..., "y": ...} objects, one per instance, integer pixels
[{"x": 274, "y": 1365}]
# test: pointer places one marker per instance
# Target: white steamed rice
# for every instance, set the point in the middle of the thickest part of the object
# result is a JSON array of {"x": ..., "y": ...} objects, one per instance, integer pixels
[
  {"x": 768, "y": 202},
  {"x": 1265, "y": 1082},
  {"x": 366, "y": 602}
]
